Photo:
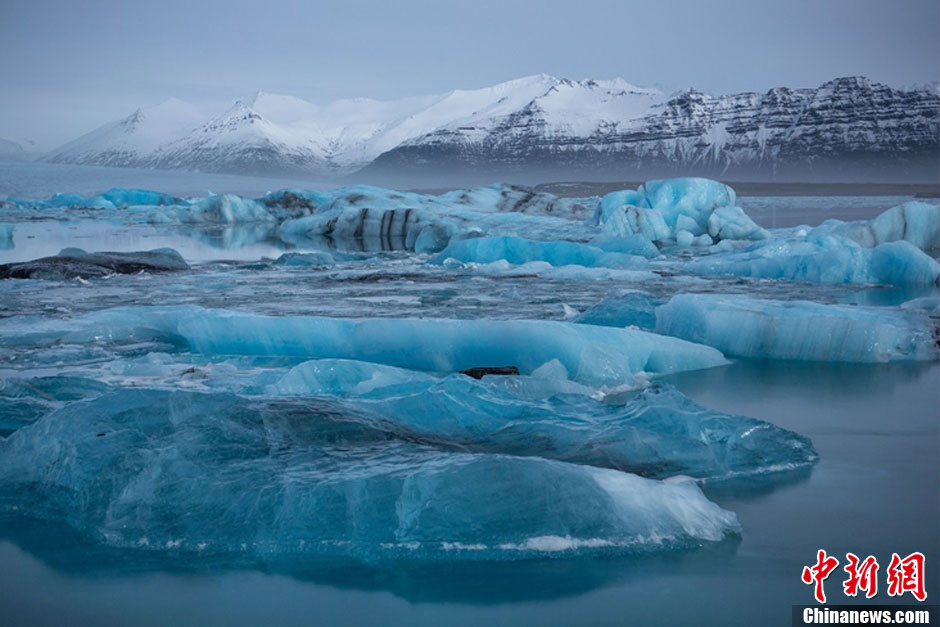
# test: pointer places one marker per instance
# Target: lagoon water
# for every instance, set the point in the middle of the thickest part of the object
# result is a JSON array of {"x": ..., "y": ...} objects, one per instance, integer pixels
[{"x": 875, "y": 489}]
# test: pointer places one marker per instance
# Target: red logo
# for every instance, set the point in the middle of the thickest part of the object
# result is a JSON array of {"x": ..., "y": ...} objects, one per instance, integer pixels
[{"x": 903, "y": 575}]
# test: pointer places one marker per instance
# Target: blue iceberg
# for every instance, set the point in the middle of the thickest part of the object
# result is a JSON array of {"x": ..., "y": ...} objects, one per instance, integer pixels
[
  {"x": 592, "y": 355},
  {"x": 624, "y": 308},
  {"x": 915, "y": 222},
  {"x": 184, "y": 472},
  {"x": 823, "y": 259},
  {"x": 685, "y": 210},
  {"x": 517, "y": 251},
  {"x": 657, "y": 433},
  {"x": 799, "y": 330}
]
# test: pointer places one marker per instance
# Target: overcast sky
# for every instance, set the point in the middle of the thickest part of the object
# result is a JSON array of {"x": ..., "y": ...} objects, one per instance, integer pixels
[{"x": 67, "y": 66}]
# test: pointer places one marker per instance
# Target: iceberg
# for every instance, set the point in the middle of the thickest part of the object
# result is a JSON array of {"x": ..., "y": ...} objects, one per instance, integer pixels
[
  {"x": 517, "y": 251},
  {"x": 208, "y": 474},
  {"x": 75, "y": 262},
  {"x": 317, "y": 259},
  {"x": 823, "y": 259},
  {"x": 658, "y": 432},
  {"x": 376, "y": 219},
  {"x": 915, "y": 222},
  {"x": 799, "y": 330},
  {"x": 122, "y": 197},
  {"x": 595, "y": 356},
  {"x": 624, "y": 308},
  {"x": 662, "y": 210}
]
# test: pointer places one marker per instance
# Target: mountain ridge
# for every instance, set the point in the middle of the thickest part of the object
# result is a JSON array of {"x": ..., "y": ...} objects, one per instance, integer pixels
[{"x": 541, "y": 127}]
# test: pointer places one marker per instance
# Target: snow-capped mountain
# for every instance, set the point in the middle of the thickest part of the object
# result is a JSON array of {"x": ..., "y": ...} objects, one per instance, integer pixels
[{"x": 542, "y": 127}]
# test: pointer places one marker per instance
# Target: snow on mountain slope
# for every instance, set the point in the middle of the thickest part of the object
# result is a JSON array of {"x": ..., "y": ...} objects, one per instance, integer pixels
[
  {"x": 133, "y": 140},
  {"x": 537, "y": 123},
  {"x": 241, "y": 140},
  {"x": 273, "y": 131}
]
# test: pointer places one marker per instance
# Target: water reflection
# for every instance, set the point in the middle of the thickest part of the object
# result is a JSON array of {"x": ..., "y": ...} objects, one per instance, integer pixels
[{"x": 477, "y": 583}]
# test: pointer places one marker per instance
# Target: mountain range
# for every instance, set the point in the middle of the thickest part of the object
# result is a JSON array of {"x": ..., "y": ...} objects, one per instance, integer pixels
[{"x": 542, "y": 128}]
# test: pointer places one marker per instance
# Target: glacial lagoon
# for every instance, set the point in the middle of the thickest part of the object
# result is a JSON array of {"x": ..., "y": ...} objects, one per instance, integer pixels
[{"x": 266, "y": 416}]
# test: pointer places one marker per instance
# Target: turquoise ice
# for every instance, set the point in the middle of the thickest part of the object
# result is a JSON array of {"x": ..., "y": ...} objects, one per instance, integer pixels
[
  {"x": 185, "y": 472},
  {"x": 799, "y": 330}
]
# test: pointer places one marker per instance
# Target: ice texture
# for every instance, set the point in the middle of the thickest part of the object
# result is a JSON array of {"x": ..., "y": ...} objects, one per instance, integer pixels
[
  {"x": 657, "y": 433},
  {"x": 75, "y": 262},
  {"x": 596, "y": 356},
  {"x": 799, "y": 330},
  {"x": 186, "y": 472},
  {"x": 516, "y": 250},
  {"x": 823, "y": 259},
  {"x": 673, "y": 209}
]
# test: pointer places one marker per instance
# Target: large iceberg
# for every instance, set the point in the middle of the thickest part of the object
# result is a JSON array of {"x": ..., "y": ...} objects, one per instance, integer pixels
[
  {"x": 595, "y": 356},
  {"x": 657, "y": 433},
  {"x": 687, "y": 210},
  {"x": 184, "y": 472},
  {"x": 799, "y": 330}
]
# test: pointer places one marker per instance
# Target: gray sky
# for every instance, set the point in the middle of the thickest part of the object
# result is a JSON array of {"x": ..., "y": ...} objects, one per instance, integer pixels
[{"x": 67, "y": 66}]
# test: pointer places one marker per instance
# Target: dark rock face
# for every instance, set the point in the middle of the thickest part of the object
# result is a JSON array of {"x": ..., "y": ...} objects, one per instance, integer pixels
[
  {"x": 847, "y": 129},
  {"x": 74, "y": 262},
  {"x": 479, "y": 373}
]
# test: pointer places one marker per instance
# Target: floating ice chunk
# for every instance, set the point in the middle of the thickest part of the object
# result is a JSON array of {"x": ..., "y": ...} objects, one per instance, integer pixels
[
  {"x": 823, "y": 259},
  {"x": 596, "y": 356},
  {"x": 915, "y": 222},
  {"x": 120, "y": 197},
  {"x": 517, "y": 251},
  {"x": 930, "y": 305},
  {"x": 321, "y": 259},
  {"x": 631, "y": 245},
  {"x": 379, "y": 219},
  {"x": 226, "y": 209},
  {"x": 657, "y": 433},
  {"x": 214, "y": 473},
  {"x": 661, "y": 210},
  {"x": 684, "y": 238},
  {"x": 74, "y": 262},
  {"x": 344, "y": 377},
  {"x": 624, "y": 308},
  {"x": 799, "y": 330},
  {"x": 503, "y": 198}
]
